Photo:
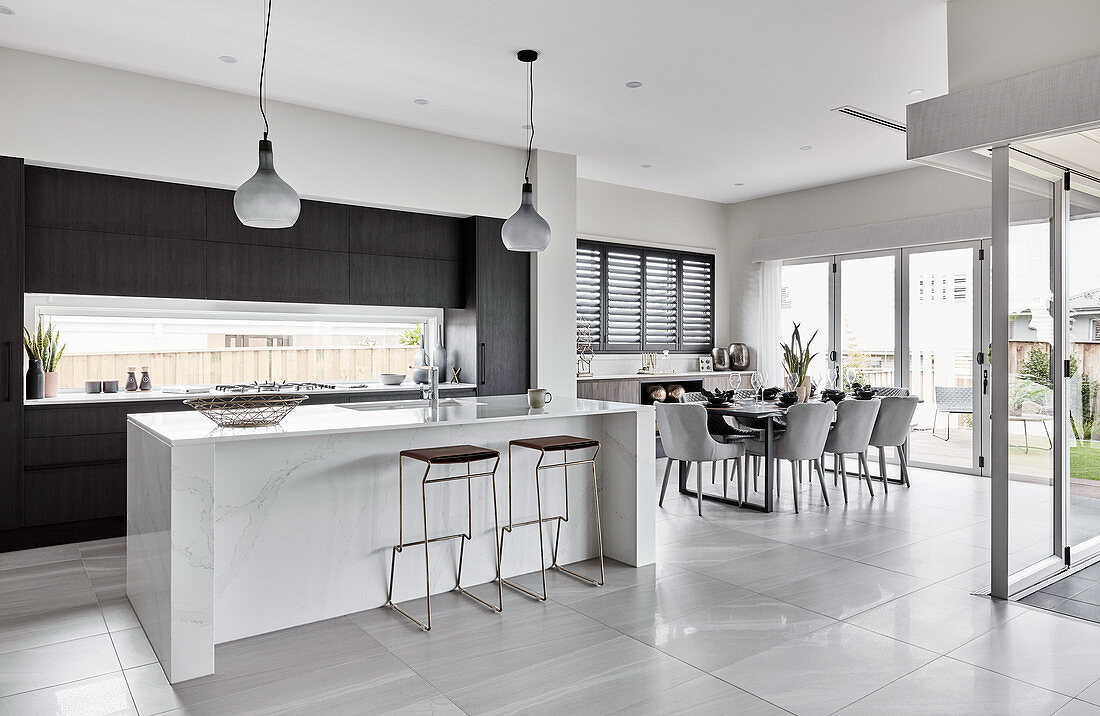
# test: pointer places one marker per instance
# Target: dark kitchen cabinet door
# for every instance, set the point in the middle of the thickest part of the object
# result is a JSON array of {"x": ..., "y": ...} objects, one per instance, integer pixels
[
  {"x": 176, "y": 211},
  {"x": 63, "y": 199},
  {"x": 68, "y": 494},
  {"x": 503, "y": 312},
  {"x": 242, "y": 272},
  {"x": 11, "y": 342},
  {"x": 378, "y": 280},
  {"x": 320, "y": 226},
  {"x": 89, "y": 262},
  {"x": 403, "y": 233}
]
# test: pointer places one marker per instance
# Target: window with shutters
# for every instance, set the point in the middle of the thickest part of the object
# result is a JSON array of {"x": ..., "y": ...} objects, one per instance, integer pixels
[{"x": 632, "y": 299}]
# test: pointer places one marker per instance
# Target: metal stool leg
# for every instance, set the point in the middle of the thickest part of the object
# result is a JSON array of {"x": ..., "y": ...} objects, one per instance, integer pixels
[
  {"x": 399, "y": 547},
  {"x": 539, "y": 521},
  {"x": 499, "y": 606},
  {"x": 599, "y": 529}
]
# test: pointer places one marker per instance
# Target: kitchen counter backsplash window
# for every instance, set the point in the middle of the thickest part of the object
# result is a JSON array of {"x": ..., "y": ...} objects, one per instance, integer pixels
[{"x": 220, "y": 350}]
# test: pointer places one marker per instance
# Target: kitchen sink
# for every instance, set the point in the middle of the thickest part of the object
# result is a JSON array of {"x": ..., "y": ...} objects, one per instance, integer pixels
[{"x": 397, "y": 404}]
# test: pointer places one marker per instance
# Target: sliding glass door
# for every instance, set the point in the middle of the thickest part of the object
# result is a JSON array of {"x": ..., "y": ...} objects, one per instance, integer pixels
[
  {"x": 807, "y": 301},
  {"x": 867, "y": 323},
  {"x": 942, "y": 340},
  {"x": 905, "y": 317}
]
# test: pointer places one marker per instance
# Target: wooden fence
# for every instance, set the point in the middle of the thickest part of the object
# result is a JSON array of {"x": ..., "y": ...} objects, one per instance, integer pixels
[{"x": 240, "y": 365}]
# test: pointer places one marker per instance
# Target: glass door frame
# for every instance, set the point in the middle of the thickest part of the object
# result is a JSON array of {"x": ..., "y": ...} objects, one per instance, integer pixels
[
  {"x": 831, "y": 334},
  {"x": 1004, "y": 583},
  {"x": 979, "y": 339}
]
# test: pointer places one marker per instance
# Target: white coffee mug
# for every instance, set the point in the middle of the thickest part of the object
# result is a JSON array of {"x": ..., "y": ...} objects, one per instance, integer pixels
[{"x": 538, "y": 397}]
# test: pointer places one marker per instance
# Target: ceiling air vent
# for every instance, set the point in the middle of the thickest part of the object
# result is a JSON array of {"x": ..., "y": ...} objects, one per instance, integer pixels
[{"x": 870, "y": 117}]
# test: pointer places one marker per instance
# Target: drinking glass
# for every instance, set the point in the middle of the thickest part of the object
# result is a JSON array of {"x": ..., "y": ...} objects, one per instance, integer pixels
[
  {"x": 735, "y": 381},
  {"x": 757, "y": 381}
]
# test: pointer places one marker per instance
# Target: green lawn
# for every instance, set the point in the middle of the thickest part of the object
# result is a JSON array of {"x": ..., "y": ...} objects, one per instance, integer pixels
[{"x": 1084, "y": 461}]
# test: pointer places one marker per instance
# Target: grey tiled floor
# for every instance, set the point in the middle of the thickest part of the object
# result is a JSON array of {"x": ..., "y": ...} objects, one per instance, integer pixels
[
  {"x": 1077, "y": 595},
  {"x": 858, "y": 609}
]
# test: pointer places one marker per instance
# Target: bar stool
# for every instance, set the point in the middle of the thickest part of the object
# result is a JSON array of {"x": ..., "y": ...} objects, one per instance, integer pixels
[
  {"x": 563, "y": 444},
  {"x": 450, "y": 455}
]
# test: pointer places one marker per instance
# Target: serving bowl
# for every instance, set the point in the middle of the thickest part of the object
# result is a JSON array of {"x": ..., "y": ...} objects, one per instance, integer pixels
[{"x": 392, "y": 378}]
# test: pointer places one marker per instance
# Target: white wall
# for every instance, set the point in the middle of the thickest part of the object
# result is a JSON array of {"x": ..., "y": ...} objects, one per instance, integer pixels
[
  {"x": 989, "y": 40},
  {"x": 614, "y": 212},
  {"x": 921, "y": 191},
  {"x": 554, "y": 288}
]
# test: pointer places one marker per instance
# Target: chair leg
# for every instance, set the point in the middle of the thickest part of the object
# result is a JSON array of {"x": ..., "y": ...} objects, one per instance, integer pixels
[
  {"x": 664, "y": 485},
  {"x": 739, "y": 473},
  {"x": 755, "y": 473},
  {"x": 838, "y": 467},
  {"x": 775, "y": 474},
  {"x": 713, "y": 471},
  {"x": 821, "y": 480},
  {"x": 699, "y": 486},
  {"x": 866, "y": 471},
  {"x": 903, "y": 460},
  {"x": 1025, "y": 437},
  {"x": 725, "y": 478},
  {"x": 799, "y": 471},
  {"x": 794, "y": 487},
  {"x": 882, "y": 469}
]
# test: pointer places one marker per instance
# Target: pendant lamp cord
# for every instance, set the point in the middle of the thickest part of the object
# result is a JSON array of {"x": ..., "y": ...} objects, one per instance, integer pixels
[
  {"x": 263, "y": 68},
  {"x": 530, "y": 119}
]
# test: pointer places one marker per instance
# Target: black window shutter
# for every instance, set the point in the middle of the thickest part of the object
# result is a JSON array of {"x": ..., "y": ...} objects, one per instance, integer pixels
[
  {"x": 697, "y": 299},
  {"x": 661, "y": 302}
]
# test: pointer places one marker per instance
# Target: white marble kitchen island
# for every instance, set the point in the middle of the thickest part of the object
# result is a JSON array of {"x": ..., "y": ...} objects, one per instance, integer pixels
[{"x": 238, "y": 532}]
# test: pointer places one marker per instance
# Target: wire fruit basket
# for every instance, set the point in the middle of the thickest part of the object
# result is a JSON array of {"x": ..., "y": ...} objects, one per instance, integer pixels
[{"x": 246, "y": 411}]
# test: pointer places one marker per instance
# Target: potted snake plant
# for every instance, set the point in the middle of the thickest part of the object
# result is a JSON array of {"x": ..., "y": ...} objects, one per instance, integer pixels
[
  {"x": 43, "y": 352},
  {"x": 796, "y": 363}
]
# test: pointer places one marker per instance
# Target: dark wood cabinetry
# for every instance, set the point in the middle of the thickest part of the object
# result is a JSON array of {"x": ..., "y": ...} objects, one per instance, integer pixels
[
  {"x": 491, "y": 336},
  {"x": 62, "y": 468},
  {"x": 402, "y": 233},
  {"x": 95, "y": 263},
  {"x": 243, "y": 272},
  {"x": 11, "y": 342}
]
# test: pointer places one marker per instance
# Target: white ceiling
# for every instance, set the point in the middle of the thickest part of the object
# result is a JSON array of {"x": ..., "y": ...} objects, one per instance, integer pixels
[{"x": 731, "y": 89}]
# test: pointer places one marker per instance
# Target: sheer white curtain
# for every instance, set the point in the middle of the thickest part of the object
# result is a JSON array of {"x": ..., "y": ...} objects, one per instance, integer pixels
[{"x": 771, "y": 298}]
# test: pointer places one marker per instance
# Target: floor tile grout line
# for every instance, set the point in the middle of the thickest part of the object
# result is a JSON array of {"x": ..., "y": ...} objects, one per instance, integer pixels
[{"x": 702, "y": 672}]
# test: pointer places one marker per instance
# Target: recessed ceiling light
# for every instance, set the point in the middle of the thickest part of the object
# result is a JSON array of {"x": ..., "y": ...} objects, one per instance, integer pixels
[
  {"x": 739, "y": 183},
  {"x": 228, "y": 59},
  {"x": 633, "y": 84},
  {"x": 5, "y": 10},
  {"x": 806, "y": 147},
  {"x": 420, "y": 101},
  {"x": 645, "y": 166},
  {"x": 916, "y": 92}
]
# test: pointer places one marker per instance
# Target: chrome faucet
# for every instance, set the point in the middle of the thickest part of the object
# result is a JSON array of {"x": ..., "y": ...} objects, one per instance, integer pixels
[{"x": 430, "y": 392}]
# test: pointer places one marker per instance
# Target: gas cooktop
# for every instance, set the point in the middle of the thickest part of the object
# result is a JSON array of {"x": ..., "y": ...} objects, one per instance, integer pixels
[{"x": 277, "y": 386}]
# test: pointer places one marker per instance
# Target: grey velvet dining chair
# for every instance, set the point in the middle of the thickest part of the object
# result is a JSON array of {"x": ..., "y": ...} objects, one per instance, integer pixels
[
  {"x": 807, "y": 429},
  {"x": 851, "y": 434},
  {"x": 685, "y": 438},
  {"x": 895, "y": 418}
]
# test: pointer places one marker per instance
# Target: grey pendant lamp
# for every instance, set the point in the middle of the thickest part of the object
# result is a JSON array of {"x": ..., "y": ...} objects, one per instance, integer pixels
[
  {"x": 526, "y": 230},
  {"x": 266, "y": 201}
]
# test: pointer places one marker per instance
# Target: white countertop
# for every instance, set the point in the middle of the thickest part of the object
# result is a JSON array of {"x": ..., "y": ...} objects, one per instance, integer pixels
[
  {"x": 663, "y": 376},
  {"x": 191, "y": 428},
  {"x": 78, "y": 398}
]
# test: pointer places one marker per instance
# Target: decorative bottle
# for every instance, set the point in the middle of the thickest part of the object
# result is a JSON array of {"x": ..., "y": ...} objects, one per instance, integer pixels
[
  {"x": 131, "y": 379},
  {"x": 420, "y": 376},
  {"x": 36, "y": 380},
  {"x": 146, "y": 382}
]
